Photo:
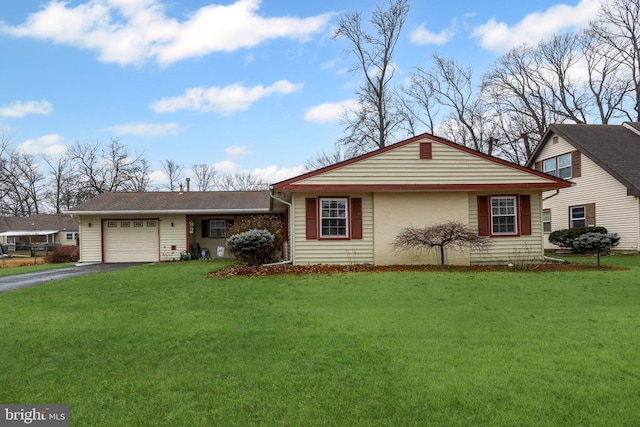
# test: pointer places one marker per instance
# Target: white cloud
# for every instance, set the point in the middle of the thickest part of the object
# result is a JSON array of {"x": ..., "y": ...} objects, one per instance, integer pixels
[
  {"x": 224, "y": 100},
  {"x": 330, "y": 112},
  {"x": 135, "y": 31},
  {"x": 422, "y": 36},
  {"x": 21, "y": 109},
  {"x": 499, "y": 37},
  {"x": 273, "y": 173},
  {"x": 226, "y": 166},
  {"x": 146, "y": 129},
  {"x": 51, "y": 144},
  {"x": 239, "y": 150}
]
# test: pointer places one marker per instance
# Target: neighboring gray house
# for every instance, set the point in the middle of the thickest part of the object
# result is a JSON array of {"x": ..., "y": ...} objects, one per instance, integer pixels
[
  {"x": 55, "y": 229},
  {"x": 603, "y": 163}
]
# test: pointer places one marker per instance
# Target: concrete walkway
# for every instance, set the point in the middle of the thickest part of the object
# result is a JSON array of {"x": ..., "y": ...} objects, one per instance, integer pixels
[{"x": 31, "y": 279}]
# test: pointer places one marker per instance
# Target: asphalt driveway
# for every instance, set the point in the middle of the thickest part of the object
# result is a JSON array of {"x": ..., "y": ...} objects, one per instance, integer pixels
[{"x": 31, "y": 279}]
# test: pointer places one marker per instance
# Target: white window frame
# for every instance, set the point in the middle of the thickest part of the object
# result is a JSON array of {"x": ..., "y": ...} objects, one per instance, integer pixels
[
  {"x": 70, "y": 236},
  {"x": 546, "y": 222},
  {"x": 334, "y": 219},
  {"x": 558, "y": 166},
  {"x": 572, "y": 219},
  {"x": 217, "y": 228},
  {"x": 499, "y": 212}
]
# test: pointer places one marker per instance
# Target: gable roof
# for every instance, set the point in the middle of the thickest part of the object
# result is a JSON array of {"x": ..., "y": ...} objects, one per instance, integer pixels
[
  {"x": 615, "y": 148},
  {"x": 37, "y": 224},
  {"x": 402, "y": 167},
  {"x": 196, "y": 202}
]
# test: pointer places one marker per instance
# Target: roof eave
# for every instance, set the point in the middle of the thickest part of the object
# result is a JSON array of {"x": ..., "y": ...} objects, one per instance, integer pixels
[{"x": 170, "y": 212}]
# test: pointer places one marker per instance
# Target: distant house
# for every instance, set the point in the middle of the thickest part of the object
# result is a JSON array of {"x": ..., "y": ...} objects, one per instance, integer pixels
[
  {"x": 603, "y": 162},
  {"x": 161, "y": 226},
  {"x": 45, "y": 229},
  {"x": 351, "y": 212}
]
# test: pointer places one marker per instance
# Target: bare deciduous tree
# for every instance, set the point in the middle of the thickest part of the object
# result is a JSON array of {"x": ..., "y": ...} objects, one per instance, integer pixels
[
  {"x": 451, "y": 234},
  {"x": 174, "y": 173},
  {"x": 204, "y": 176},
  {"x": 241, "y": 181},
  {"x": 107, "y": 168},
  {"x": 618, "y": 26},
  {"x": 371, "y": 125}
]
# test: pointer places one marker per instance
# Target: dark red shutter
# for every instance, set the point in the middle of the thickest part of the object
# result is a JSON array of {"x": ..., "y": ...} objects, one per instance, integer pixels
[
  {"x": 311, "y": 216},
  {"x": 205, "y": 228},
  {"x": 576, "y": 164},
  {"x": 425, "y": 150},
  {"x": 525, "y": 214},
  {"x": 356, "y": 218},
  {"x": 590, "y": 213},
  {"x": 538, "y": 166},
  {"x": 484, "y": 216}
]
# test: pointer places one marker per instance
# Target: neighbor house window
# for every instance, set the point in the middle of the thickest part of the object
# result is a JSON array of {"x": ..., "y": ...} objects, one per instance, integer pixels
[
  {"x": 70, "y": 236},
  {"x": 558, "y": 166},
  {"x": 503, "y": 215},
  {"x": 546, "y": 220},
  {"x": 578, "y": 216},
  {"x": 217, "y": 228},
  {"x": 333, "y": 218}
]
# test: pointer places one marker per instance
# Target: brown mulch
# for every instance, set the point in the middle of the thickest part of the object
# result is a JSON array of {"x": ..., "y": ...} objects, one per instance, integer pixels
[{"x": 244, "y": 270}]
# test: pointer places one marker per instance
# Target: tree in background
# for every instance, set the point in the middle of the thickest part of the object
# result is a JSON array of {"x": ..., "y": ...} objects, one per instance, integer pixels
[
  {"x": 373, "y": 123},
  {"x": 204, "y": 176},
  {"x": 174, "y": 173}
]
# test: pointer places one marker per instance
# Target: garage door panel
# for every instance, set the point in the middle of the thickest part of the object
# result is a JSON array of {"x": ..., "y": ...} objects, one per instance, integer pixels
[{"x": 131, "y": 241}]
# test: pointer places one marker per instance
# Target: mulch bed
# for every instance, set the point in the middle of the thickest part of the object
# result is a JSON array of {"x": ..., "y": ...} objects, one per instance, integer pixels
[{"x": 244, "y": 270}]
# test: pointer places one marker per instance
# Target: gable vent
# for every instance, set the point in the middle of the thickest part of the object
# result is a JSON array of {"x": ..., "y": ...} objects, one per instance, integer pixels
[{"x": 425, "y": 150}]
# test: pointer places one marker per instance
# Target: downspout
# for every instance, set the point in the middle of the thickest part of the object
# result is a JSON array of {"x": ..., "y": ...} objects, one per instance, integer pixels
[{"x": 290, "y": 239}]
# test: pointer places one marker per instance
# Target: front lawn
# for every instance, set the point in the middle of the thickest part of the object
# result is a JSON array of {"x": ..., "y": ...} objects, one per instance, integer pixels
[{"x": 164, "y": 345}]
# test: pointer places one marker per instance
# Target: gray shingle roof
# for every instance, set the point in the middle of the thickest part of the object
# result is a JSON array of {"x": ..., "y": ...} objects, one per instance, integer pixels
[
  {"x": 187, "y": 202},
  {"x": 39, "y": 222},
  {"x": 615, "y": 148}
]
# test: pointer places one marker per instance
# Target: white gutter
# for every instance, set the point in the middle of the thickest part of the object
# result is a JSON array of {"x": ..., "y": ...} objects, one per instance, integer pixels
[
  {"x": 290, "y": 260},
  {"x": 169, "y": 212}
]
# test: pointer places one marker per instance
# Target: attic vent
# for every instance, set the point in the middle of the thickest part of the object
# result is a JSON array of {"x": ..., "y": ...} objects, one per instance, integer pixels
[
  {"x": 425, "y": 150},
  {"x": 554, "y": 140}
]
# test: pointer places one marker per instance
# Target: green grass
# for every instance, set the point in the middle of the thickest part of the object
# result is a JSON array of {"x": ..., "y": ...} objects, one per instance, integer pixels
[
  {"x": 164, "y": 345},
  {"x": 12, "y": 271}
]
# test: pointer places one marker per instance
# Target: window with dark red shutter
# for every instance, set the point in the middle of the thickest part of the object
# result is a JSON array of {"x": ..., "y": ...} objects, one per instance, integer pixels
[
  {"x": 525, "y": 214},
  {"x": 356, "y": 218}
]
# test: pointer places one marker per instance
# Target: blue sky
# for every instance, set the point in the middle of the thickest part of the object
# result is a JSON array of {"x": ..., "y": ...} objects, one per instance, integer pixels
[{"x": 246, "y": 85}]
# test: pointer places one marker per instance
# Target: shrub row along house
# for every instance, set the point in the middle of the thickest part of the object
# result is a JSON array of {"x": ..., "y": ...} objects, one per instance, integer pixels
[{"x": 349, "y": 212}]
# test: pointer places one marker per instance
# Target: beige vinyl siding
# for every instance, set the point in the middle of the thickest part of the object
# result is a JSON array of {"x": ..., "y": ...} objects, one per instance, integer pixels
[
  {"x": 614, "y": 209},
  {"x": 394, "y": 211},
  {"x": 404, "y": 166},
  {"x": 504, "y": 250},
  {"x": 353, "y": 251},
  {"x": 90, "y": 239},
  {"x": 175, "y": 235}
]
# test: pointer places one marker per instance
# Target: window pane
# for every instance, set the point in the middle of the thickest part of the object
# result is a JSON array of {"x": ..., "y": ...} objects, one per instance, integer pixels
[
  {"x": 578, "y": 218},
  {"x": 549, "y": 166},
  {"x": 333, "y": 218},
  {"x": 217, "y": 228},
  {"x": 503, "y": 215},
  {"x": 564, "y": 166}
]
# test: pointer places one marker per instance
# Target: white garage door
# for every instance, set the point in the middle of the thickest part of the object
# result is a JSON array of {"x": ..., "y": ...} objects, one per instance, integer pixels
[{"x": 133, "y": 240}]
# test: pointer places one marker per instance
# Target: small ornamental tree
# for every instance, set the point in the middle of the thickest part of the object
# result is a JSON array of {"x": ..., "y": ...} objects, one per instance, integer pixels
[
  {"x": 596, "y": 243},
  {"x": 565, "y": 237},
  {"x": 253, "y": 247},
  {"x": 272, "y": 223},
  {"x": 451, "y": 234}
]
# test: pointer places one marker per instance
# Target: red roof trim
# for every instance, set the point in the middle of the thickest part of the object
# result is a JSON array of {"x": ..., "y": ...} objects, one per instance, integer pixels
[
  {"x": 555, "y": 182},
  {"x": 422, "y": 187}
]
